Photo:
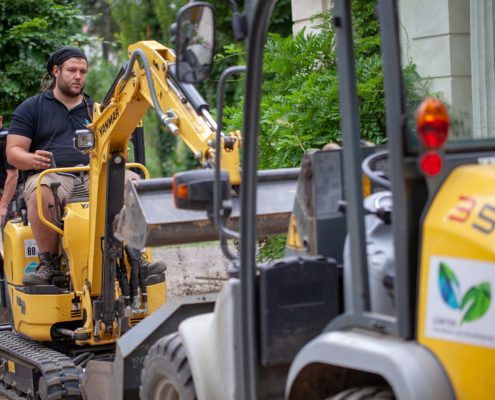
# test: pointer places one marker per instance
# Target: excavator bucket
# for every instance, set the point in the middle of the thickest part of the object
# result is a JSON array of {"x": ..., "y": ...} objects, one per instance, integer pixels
[{"x": 150, "y": 217}]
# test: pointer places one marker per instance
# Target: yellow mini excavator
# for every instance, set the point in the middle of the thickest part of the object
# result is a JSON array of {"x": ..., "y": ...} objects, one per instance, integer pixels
[{"x": 101, "y": 291}]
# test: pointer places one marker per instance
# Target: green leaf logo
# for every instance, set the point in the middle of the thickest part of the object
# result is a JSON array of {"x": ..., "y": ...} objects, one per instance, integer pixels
[
  {"x": 449, "y": 286},
  {"x": 477, "y": 300},
  {"x": 474, "y": 303}
]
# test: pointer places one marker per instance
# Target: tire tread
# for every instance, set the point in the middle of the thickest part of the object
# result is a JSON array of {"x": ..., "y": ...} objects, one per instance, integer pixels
[{"x": 167, "y": 359}]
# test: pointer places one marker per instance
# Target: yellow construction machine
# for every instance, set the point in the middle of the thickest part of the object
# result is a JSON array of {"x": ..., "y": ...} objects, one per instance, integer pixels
[{"x": 101, "y": 292}]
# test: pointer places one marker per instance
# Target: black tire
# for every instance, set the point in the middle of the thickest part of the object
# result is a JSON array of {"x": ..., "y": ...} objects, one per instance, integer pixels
[
  {"x": 166, "y": 374},
  {"x": 365, "y": 393}
]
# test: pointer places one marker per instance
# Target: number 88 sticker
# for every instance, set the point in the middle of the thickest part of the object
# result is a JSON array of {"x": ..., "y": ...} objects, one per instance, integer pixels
[{"x": 30, "y": 248}]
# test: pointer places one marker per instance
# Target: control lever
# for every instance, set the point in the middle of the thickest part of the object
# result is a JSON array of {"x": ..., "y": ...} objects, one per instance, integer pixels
[{"x": 52, "y": 161}]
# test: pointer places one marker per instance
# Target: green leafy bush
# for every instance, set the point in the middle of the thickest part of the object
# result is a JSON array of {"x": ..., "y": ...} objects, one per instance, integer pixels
[
  {"x": 300, "y": 109},
  {"x": 29, "y": 31}
]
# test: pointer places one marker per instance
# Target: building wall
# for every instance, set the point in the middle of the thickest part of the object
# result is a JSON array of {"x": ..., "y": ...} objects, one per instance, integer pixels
[
  {"x": 435, "y": 36},
  {"x": 304, "y": 10}
]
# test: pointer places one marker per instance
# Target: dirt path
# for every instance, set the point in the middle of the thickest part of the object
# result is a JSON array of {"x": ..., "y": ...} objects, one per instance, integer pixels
[{"x": 193, "y": 269}]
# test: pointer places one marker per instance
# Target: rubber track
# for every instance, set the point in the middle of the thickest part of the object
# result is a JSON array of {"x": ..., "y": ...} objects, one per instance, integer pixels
[{"x": 62, "y": 377}]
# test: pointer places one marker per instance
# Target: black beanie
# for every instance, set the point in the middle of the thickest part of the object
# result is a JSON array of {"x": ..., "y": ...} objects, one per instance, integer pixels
[{"x": 63, "y": 54}]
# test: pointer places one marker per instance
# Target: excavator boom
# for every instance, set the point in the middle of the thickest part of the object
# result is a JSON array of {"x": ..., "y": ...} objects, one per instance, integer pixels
[{"x": 149, "y": 80}]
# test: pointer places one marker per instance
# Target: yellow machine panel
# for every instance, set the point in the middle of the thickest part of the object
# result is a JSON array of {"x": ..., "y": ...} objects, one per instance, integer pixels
[
  {"x": 21, "y": 246},
  {"x": 35, "y": 318},
  {"x": 157, "y": 295},
  {"x": 76, "y": 221},
  {"x": 457, "y": 277}
]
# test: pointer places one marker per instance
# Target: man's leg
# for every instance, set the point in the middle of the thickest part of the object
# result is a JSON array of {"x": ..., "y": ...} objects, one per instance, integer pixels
[{"x": 46, "y": 238}]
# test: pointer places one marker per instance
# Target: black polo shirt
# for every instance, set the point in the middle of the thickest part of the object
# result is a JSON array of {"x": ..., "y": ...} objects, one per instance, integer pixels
[{"x": 51, "y": 126}]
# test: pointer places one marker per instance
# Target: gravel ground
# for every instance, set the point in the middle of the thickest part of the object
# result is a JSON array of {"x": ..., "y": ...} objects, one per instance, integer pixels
[{"x": 194, "y": 269}]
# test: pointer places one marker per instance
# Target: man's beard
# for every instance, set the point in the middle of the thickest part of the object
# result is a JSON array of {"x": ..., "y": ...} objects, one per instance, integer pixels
[{"x": 66, "y": 90}]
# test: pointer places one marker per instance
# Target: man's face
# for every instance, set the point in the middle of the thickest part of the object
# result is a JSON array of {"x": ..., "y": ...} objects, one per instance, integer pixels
[{"x": 71, "y": 76}]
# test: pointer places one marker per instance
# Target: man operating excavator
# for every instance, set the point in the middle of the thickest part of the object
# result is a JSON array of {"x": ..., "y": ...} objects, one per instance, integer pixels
[{"x": 41, "y": 136}]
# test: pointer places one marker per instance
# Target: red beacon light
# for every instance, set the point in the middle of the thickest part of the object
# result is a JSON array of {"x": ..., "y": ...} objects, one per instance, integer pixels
[
  {"x": 432, "y": 123},
  {"x": 431, "y": 163}
]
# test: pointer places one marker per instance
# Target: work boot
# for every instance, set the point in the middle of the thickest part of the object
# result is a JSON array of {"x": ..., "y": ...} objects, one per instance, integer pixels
[{"x": 44, "y": 271}]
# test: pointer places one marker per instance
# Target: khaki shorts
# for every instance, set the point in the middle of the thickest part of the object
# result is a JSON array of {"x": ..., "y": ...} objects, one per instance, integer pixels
[{"x": 66, "y": 183}]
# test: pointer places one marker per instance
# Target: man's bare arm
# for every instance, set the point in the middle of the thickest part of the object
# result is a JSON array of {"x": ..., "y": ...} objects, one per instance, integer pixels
[
  {"x": 18, "y": 154},
  {"x": 8, "y": 191}
]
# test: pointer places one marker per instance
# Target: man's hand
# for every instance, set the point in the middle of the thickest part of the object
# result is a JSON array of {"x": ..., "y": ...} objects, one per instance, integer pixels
[
  {"x": 41, "y": 159},
  {"x": 3, "y": 213}
]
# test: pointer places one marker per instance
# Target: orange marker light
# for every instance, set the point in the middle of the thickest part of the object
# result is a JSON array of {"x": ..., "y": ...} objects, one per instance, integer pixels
[
  {"x": 179, "y": 191},
  {"x": 432, "y": 123},
  {"x": 182, "y": 191}
]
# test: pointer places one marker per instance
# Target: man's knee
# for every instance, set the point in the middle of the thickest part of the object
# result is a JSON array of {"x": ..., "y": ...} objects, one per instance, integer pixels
[
  {"x": 32, "y": 196},
  {"x": 51, "y": 184}
]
